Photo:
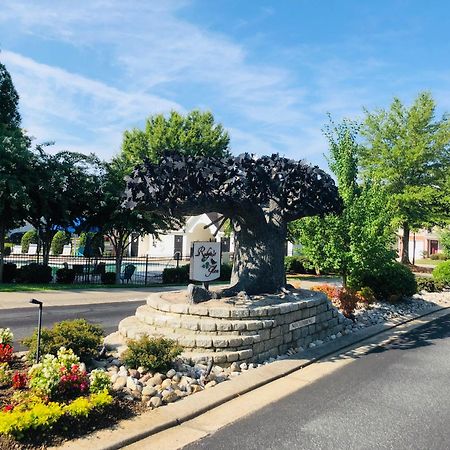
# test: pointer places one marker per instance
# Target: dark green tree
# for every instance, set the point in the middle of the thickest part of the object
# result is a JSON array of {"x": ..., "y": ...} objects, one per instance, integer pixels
[
  {"x": 408, "y": 152},
  {"x": 360, "y": 238},
  {"x": 15, "y": 156},
  {"x": 9, "y": 100}
]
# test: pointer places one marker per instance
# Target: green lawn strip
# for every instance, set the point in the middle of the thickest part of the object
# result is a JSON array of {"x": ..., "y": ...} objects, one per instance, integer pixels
[{"x": 13, "y": 287}]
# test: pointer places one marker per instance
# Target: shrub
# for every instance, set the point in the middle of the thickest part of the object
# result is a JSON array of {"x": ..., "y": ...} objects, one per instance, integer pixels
[
  {"x": 179, "y": 275},
  {"x": 6, "y": 336},
  {"x": 366, "y": 295},
  {"x": 152, "y": 353},
  {"x": 9, "y": 272},
  {"x": 60, "y": 239},
  {"x": 30, "y": 237},
  {"x": 65, "y": 276},
  {"x": 37, "y": 416},
  {"x": 7, "y": 249},
  {"x": 297, "y": 264},
  {"x": 73, "y": 382},
  {"x": 34, "y": 273},
  {"x": 6, "y": 353},
  {"x": 329, "y": 290},
  {"x": 438, "y": 257},
  {"x": 5, "y": 375},
  {"x": 347, "y": 301},
  {"x": 19, "y": 380},
  {"x": 429, "y": 284},
  {"x": 99, "y": 381},
  {"x": 108, "y": 278},
  {"x": 45, "y": 377},
  {"x": 78, "y": 335},
  {"x": 441, "y": 272},
  {"x": 390, "y": 282},
  {"x": 225, "y": 272}
]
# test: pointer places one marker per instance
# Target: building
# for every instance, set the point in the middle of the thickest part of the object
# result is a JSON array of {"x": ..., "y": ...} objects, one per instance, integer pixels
[
  {"x": 422, "y": 243},
  {"x": 196, "y": 228}
]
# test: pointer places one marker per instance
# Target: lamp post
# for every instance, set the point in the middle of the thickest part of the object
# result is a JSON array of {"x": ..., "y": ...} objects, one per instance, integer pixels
[{"x": 38, "y": 350}]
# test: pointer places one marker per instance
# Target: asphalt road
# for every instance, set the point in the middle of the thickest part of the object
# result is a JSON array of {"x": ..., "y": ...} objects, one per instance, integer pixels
[
  {"x": 23, "y": 321},
  {"x": 396, "y": 397}
]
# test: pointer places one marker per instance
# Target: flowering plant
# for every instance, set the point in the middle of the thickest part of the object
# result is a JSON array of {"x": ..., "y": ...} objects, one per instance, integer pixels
[
  {"x": 73, "y": 381},
  {"x": 6, "y": 336},
  {"x": 99, "y": 381},
  {"x": 46, "y": 375},
  {"x": 6, "y": 352},
  {"x": 19, "y": 380},
  {"x": 5, "y": 374}
]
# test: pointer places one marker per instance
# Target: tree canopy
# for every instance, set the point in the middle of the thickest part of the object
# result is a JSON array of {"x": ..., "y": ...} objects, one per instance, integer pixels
[
  {"x": 9, "y": 100},
  {"x": 195, "y": 134},
  {"x": 64, "y": 189},
  {"x": 408, "y": 151},
  {"x": 360, "y": 238}
]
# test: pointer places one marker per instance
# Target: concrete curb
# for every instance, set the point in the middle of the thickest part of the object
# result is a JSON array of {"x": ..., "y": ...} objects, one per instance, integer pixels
[{"x": 152, "y": 422}]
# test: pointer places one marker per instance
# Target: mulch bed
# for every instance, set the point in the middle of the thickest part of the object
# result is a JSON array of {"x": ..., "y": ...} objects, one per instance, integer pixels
[{"x": 66, "y": 428}]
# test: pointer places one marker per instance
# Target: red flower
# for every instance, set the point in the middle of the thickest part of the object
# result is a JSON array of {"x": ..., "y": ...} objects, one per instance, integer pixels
[{"x": 6, "y": 352}]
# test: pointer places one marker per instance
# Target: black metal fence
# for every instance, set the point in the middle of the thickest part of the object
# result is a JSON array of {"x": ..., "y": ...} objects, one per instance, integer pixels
[{"x": 134, "y": 270}]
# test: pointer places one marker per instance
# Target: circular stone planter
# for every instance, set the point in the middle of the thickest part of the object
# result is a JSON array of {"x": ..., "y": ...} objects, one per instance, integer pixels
[{"x": 242, "y": 328}]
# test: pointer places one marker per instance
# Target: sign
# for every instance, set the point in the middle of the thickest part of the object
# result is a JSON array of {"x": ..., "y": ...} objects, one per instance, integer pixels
[
  {"x": 205, "y": 261},
  {"x": 302, "y": 323}
]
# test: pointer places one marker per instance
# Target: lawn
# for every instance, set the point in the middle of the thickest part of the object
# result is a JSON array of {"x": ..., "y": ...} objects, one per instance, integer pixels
[{"x": 17, "y": 287}]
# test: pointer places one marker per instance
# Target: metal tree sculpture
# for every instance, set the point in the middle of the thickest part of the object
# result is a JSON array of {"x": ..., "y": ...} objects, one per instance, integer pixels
[{"x": 260, "y": 196}]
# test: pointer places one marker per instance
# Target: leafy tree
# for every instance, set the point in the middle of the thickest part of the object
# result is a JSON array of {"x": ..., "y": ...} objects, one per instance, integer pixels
[
  {"x": 260, "y": 196},
  {"x": 63, "y": 191},
  {"x": 15, "y": 155},
  {"x": 359, "y": 239},
  {"x": 445, "y": 242},
  {"x": 119, "y": 223},
  {"x": 408, "y": 151},
  {"x": 92, "y": 244},
  {"x": 195, "y": 134},
  {"x": 9, "y": 100}
]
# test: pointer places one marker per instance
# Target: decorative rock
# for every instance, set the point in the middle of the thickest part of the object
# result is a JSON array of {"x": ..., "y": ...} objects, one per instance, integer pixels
[
  {"x": 210, "y": 384},
  {"x": 142, "y": 370},
  {"x": 166, "y": 383},
  {"x": 198, "y": 294},
  {"x": 169, "y": 396},
  {"x": 149, "y": 391},
  {"x": 155, "y": 402},
  {"x": 134, "y": 374},
  {"x": 243, "y": 366},
  {"x": 171, "y": 373},
  {"x": 114, "y": 377},
  {"x": 120, "y": 383},
  {"x": 131, "y": 383},
  {"x": 235, "y": 367},
  {"x": 196, "y": 388}
]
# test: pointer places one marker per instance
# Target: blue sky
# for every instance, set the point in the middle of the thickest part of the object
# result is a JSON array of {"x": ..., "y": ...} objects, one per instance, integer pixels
[{"x": 269, "y": 71}]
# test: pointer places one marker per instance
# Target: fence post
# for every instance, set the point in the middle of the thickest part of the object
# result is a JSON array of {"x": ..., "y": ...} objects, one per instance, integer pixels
[{"x": 146, "y": 269}]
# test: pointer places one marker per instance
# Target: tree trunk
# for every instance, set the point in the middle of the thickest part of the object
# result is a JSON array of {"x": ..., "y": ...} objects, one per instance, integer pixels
[
  {"x": 118, "y": 248},
  {"x": 2, "y": 252},
  {"x": 258, "y": 265},
  {"x": 405, "y": 244}
]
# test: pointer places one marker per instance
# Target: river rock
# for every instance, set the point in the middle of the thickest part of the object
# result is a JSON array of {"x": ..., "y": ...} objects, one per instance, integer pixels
[{"x": 198, "y": 294}]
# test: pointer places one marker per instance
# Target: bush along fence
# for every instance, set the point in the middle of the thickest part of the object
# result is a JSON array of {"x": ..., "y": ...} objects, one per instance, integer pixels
[{"x": 99, "y": 270}]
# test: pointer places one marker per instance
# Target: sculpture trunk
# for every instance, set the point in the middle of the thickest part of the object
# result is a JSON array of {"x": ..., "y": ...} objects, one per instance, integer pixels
[{"x": 258, "y": 265}]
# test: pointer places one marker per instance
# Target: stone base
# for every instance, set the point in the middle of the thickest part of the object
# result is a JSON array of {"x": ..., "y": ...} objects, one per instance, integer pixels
[{"x": 245, "y": 329}]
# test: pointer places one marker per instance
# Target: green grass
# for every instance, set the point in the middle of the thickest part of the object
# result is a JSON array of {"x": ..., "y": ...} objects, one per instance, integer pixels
[
  {"x": 427, "y": 262},
  {"x": 67, "y": 287},
  {"x": 13, "y": 287}
]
